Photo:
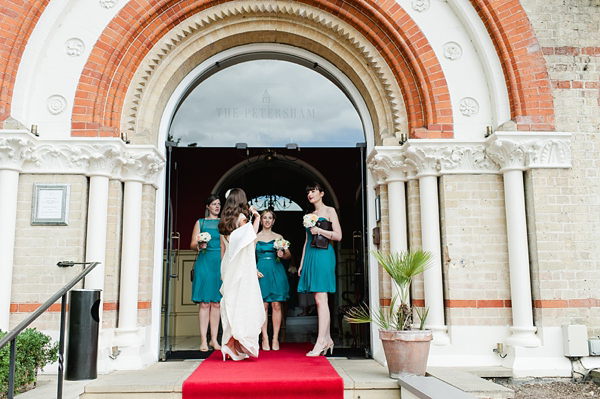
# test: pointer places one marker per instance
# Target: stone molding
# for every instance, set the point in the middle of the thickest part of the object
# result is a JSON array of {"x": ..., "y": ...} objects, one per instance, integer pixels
[
  {"x": 109, "y": 157},
  {"x": 501, "y": 152}
]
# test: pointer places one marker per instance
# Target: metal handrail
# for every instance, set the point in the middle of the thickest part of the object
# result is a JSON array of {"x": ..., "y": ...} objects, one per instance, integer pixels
[{"x": 12, "y": 335}]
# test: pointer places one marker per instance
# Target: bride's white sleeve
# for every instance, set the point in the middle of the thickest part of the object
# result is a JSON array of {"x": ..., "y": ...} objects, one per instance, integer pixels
[{"x": 240, "y": 218}]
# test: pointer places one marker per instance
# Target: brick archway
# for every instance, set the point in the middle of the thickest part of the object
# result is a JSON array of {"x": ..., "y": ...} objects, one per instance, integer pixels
[{"x": 410, "y": 62}]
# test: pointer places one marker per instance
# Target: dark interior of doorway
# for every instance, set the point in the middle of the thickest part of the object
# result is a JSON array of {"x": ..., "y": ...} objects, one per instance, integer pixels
[{"x": 198, "y": 172}]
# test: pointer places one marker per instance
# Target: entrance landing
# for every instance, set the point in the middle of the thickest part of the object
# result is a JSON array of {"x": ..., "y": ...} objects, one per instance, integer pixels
[{"x": 363, "y": 378}]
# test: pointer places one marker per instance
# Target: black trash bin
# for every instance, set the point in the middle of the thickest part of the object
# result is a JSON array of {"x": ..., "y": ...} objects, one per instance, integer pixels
[{"x": 82, "y": 346}]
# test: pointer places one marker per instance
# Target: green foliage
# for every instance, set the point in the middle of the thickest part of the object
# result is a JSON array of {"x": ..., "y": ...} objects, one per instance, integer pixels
[
  {"x": 34, "y": 351},
  {"x": 402, "y": 268}
]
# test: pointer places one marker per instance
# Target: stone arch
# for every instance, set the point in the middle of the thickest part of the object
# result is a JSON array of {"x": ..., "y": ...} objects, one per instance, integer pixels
[{"x": 403, "y": 72}]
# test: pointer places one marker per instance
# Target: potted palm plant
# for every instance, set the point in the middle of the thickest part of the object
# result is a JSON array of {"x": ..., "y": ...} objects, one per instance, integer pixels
[{"x": 405, "y": 344}]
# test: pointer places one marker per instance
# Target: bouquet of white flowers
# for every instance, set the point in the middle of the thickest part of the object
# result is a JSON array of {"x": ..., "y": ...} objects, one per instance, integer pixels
[
  {"x": 203, "y": 237},
  {"x": 310, "y": 220},
  {"x": 281, "y": 244}
]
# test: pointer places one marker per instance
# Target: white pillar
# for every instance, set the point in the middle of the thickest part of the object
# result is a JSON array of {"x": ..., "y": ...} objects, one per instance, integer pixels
[
  {"x": 430, "y": 231},
  {"x": 95, "y": 249},
  {"x": 126, "y": 335},
  {"x": 9, "y": 185},
  {"x": 523, "y": 330}
]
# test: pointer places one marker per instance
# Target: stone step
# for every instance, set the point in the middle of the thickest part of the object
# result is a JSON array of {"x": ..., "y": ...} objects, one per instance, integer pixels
[{"x": 471, "y": 383}]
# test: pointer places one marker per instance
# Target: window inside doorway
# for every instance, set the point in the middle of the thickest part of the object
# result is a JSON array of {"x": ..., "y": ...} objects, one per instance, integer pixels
[{"x": 267, "y": 103}]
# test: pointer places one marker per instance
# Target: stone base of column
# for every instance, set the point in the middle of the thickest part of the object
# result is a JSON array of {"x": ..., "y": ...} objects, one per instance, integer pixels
[
  {"x": 440, "y": 335},
  {"x": 129, "y": 349},
  {"x": 127, "y": 337},
  {"x": 523, "y": 336},
  {"x": 536, "y": 362}
]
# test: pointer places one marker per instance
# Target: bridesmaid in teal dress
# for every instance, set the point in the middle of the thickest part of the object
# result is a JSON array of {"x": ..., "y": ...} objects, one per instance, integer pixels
[
  {"x": 272, "y": 276},
  {"x": 207, "y": 273},
  {"x": 317, "y": 268}
]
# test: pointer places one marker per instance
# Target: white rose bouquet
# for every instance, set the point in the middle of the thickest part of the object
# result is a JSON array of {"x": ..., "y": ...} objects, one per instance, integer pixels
[
  {"x": 310, "y": 220},
  {"x": 281, "y": 244},
  {"x": 203, "y": 237}
]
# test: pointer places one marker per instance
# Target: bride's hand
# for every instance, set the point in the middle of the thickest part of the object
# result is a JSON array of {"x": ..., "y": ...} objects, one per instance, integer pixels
[{"x": 260, "y": 275}]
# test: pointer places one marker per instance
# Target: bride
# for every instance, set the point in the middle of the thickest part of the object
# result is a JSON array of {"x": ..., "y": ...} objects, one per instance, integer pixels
[{"x": 242, "y": 312}]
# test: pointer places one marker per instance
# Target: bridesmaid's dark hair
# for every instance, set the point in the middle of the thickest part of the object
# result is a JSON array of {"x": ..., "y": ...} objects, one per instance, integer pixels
[
  {"x": 310, "y": 208},
  {"x": 210, "y": 199},
  {"x": 235, "y": 204}
]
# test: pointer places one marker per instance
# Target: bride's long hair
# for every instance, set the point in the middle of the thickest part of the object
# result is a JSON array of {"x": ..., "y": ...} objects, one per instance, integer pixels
[{"x": 235, "y": 204}]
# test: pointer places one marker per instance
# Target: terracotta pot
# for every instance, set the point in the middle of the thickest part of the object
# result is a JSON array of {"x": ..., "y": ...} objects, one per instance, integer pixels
[{"x": 406, "y": 352}]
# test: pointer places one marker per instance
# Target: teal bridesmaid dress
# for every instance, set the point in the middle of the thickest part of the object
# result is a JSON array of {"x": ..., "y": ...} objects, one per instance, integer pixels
[
  {"x": 274, "y": 283},
  {"x": 207, "y": 269},
  {"x": 318, "y": 269}
]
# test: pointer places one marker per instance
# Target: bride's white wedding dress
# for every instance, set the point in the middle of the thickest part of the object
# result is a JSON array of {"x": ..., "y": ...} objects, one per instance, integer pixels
[{"x": 242, "y": 311}]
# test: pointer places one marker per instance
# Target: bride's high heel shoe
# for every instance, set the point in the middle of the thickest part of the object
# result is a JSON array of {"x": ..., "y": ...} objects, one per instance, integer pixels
[
  {"x": 330, "y": 348},
  {"x": 226, "y": 351},
  {"x": 317, "y": 352}
]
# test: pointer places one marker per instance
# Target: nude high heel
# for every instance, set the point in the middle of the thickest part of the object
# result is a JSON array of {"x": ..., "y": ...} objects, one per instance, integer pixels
[
  {"x": 226, "y": 351},
  {"x": 317, "y": 352}
]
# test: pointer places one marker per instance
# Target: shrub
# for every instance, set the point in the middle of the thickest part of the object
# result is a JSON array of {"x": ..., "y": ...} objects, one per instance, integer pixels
[{"x": 34, "y": 351}]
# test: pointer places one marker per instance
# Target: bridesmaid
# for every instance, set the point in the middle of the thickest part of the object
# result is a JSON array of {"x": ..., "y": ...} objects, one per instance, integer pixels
[
  {"x": 273, "y": 279},
  {"x": 317, "y": 267},
  {"x": 207, "y": 273}
]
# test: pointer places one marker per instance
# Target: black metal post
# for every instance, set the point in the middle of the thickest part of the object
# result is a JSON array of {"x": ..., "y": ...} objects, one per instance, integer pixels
[
  {"x": 11, "y": 369},
  {"x": 61, "y": 346}
]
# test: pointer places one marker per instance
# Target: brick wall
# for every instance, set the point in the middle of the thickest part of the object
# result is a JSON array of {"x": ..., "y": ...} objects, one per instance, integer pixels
[
  {"x": 565, "y": 203},
  {"x": 475, "y": 250},
  {"x": 38, "y": 248}
]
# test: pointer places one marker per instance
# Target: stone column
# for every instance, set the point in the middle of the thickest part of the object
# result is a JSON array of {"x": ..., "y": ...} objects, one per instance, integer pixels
[
  {"x": 13, "y": 152},
  {"x": 427, "y": 168},
  {"x": 512, "y": 160},
  {"x": 100, "y": 164},
  {"x": 126, "y": 334}
]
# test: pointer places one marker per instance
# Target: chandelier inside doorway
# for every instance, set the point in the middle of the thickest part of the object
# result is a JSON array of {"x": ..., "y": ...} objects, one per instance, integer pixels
[{"x": 274, "y": 202}]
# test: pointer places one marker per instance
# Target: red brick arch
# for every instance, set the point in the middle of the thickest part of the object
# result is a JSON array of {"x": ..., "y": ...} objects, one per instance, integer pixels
[
  {"x": 17, "y": 20},
  {"x": 525, "y": 72},
  {"x": 123, "y": 45}
]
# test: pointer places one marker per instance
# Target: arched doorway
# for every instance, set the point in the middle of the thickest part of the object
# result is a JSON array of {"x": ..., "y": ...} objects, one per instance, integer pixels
[{"x": 268, "y": 168}]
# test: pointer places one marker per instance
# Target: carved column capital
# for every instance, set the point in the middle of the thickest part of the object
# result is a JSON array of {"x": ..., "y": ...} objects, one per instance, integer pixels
[
  {"x": 424, "y": 160},
  {"x": 517, "y": 151},
  {"x": 387, "y": 165},
  {"x": 140, "y": 166},
  {"x": 15, "y": 151}
]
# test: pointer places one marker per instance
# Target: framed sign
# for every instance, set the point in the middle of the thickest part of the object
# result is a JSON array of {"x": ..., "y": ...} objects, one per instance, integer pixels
[
  {"x": 378, "y": 208},
  {"x": 50, "y": 204}
]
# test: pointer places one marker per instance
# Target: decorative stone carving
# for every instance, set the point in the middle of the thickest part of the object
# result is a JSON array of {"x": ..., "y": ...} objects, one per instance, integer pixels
[
  {"x": 466, "y": 159},
  {"x": 14, "y": 151},
  {"x": 56, "y": 104},
  {"x": 140, "y": 167},
  {"x": 468, "y": 107},
  {"x": 388, "y": 166},
  {"x": 520, "y": 153},
  {"x": 108, "y": 3},
  {"x": 423, "y": 160},
  {"x": 102, "y": 157},
  {"x": 420, "y": 5},
  {"x": 75, "y": 47},
  {"x": 452, "y": 51}
]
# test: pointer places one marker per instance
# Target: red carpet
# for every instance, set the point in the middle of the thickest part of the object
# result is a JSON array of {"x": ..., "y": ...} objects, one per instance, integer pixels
[{"x": 282, "y": 374}]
